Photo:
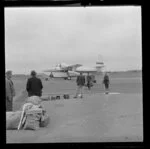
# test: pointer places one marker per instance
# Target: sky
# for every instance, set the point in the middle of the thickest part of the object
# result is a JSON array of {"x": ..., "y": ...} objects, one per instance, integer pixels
[{"x": 37, "y": 38}]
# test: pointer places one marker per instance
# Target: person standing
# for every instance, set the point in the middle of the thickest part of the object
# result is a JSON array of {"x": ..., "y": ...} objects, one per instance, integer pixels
[
  {"x": 34, "y": 85},
  {"x": 106, "y": 82},
  {"x": 10, "y": 91},
  {"x": 80, "y": 83},
  {"x": 89, "y": 81}
]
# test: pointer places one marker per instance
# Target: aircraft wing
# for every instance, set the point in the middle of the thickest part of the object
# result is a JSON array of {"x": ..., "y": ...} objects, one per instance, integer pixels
[
  {"x": 64, "y": 68},
  {"x": 86, "y": 70},
  {"x": 72, "y": 67},
  {"x": 53, "y": 70}
]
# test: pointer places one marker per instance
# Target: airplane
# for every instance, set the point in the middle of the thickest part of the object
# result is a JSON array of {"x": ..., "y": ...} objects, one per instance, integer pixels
[
  {"x": 63, "y": 70},
  {"x": 66, "y": 71}
]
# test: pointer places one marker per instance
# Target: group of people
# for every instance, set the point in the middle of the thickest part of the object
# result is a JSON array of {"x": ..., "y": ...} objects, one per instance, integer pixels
[
  {"x": 34, "y": 86},
  {"x": 81, "y": 83}
]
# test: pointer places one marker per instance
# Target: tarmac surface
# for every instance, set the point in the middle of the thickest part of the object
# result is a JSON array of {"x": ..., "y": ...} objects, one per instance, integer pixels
[{"x": 116, "y": 117}]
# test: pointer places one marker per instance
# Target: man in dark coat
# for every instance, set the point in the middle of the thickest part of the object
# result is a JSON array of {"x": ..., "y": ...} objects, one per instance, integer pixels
[
  {"x": 89, "y": 81},
  {"x": 80, "y": 83},
  {"x": 10, "y": 91},
  {"x": 106, "y": 82},
  {"x": 34, "y": 85}
]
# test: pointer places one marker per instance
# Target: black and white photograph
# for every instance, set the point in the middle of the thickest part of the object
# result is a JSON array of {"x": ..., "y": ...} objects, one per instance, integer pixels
[{"x": 73, "y": 74}]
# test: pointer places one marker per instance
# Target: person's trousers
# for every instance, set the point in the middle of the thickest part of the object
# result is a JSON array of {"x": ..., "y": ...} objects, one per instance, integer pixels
[
  {"x": 79, "y": 90},
  {"x": 107, "y": 86},
  {"x": 9, "y": 104},
  {"x": 89, "y": 85}
]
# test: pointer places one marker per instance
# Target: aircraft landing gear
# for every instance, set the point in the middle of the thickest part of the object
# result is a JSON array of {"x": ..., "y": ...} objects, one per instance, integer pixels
[
  {"x": 94, "y": 81},
  {"x": 51, "y": 75},
  {"x": 46, "y": 79}
]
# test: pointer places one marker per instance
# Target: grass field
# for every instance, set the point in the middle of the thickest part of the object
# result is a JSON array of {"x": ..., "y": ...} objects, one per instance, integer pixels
[
  {"x": 130, "y": 83},
  {"x": 95, "y": 118}
]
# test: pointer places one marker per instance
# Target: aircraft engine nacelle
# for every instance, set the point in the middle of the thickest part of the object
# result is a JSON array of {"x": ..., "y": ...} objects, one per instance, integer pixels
[{"x": 63, "y": 65}]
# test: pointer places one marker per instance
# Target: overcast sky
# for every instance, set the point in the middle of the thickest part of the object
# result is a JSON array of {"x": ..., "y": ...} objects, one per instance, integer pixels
[{"x": 39, "y": 38}]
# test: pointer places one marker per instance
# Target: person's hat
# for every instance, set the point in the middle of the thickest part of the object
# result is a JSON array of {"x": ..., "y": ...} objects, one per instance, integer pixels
[
  {"x": 33, "y": 73},
  {"x": 8, "y": 72}
]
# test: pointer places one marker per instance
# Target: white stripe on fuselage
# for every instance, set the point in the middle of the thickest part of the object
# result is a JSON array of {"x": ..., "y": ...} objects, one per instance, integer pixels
[
  {"x": 59, "y": 74},
  {"x": 65, "y": 74}
]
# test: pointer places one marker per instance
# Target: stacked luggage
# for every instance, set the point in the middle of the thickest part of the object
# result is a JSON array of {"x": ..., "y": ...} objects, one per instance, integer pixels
[{"x": 31, "y": 116}]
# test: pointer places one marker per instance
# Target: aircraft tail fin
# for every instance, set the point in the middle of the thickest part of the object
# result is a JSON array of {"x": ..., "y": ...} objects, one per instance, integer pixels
[{"x": 99, "y": 63}]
